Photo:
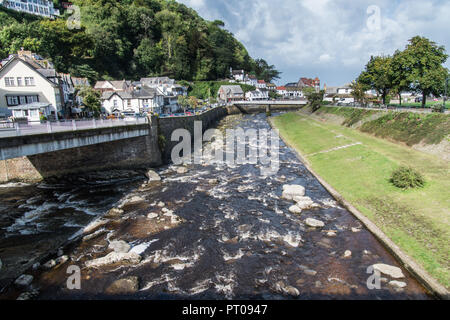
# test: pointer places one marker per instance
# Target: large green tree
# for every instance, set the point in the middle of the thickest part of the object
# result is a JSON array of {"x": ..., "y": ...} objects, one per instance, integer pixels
[
  {"x": 378, "y": 75},
  {"x": 422, "y": 64}
]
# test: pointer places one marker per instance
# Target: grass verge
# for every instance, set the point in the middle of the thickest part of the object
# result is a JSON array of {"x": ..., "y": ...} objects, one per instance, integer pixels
[{"x": 416, "y": 220}]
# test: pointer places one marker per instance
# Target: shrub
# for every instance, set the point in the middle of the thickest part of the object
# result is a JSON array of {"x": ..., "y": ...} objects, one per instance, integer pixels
[
  {"x": 407, "y": 178},
  {"x": 438, "y": 108}
]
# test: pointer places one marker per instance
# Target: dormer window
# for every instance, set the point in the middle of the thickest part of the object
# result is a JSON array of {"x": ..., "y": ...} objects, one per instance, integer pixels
[{"x": 9, "y": 82}]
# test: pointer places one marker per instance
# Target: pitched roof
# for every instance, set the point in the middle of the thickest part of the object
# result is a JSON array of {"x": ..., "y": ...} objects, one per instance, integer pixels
[
  {"x": 261, "y": 81},
  {"x": 232, "y": 89},
  {"x": 281, "y": 88}
]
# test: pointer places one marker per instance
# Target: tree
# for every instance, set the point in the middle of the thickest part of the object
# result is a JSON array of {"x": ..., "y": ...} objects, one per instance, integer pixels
[
  {"x": 264, "y": 71},
  {"x": 183, "y": 101},
  {"x": 422, "y": 63},
  {"x": 193, "y": 102},
  {"x": 359, "y": 92},
  {"x": 314, "y": 98},
  {"x": 91, "y": 99},
  {"x": 378, "y": 75}
]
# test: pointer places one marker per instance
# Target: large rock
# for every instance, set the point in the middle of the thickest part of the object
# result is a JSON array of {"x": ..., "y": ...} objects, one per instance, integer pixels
[
  {"x": 295, "y": 209},
  {"x": 119, "y": 246},
  {"x": 310, "y": 222},
  {"x": 95, "y": 225},
  {"x": 24, "y": 280},
  {"x": 304, "y": 202},
  {"x": 115, "y": 257},
  {"x": 292, "y": 191},
  {"x": 152, "y": 176},
  {"x": 114, "y": 212},
  {"x": 391, "y": 271},
  {"x": 124, "y": 286},
  {"x": 281, "y": 287},
  {"x": 182, "y": 170},
  {"x": 398, "y": 284}
]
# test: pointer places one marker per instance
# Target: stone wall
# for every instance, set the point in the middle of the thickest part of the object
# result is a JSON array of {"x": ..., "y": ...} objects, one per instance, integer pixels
[
  {"x": 168, "y": 125},
  {"x": 133, "y": 153}
]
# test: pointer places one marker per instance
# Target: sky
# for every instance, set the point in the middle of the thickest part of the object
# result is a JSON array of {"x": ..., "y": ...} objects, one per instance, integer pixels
[{"x": 330, "y": 39}]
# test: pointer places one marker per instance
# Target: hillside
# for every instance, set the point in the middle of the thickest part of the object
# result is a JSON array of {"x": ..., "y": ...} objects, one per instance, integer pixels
[{"x": 130, "y": 39}]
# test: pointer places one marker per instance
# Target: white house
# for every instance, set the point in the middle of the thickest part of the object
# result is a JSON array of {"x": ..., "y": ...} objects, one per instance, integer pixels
[
  {"x": 293, "y": 92},
  {"x": 346, "y": 89},
  {"x": 282, "y": 91},
  {"x": 251, "y": 80},
  {"x": 238, "y": 75},
  {"x": 29, "y": 91},
  {"x": 257, "y": 95},
  {"x": 261, "y": 84},
  {"x": 231, "y": 93},
  {"x": 138, "y": 101},
  {"x": 43, "y": 8}
]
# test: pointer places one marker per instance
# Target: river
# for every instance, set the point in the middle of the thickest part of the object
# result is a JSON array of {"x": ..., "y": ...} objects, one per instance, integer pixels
[{"x": 209, "y": 232}]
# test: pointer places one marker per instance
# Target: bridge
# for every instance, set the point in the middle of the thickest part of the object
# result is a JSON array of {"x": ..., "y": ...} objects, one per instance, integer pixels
[
  {"x": 24, "y": 139},
  {"x": 268, "y": 105}
]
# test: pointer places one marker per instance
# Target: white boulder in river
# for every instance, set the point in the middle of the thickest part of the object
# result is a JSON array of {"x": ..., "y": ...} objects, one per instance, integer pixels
[
  {"x": 115, "y": 257},
  {"x": 391, "y": 271},
  {"x": 292, "y": 191},
  {"x": 152, "y": 176},
  {"x": 310, "y": 222},
  {"x": 119, "y": 246}
]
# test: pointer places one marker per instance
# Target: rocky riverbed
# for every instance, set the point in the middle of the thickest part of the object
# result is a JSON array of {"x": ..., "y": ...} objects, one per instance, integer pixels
[{"x": 195, "y": 232}]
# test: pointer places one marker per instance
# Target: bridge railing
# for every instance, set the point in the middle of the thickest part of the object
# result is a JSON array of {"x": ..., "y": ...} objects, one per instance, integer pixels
[{"x": 19, "y": 129}]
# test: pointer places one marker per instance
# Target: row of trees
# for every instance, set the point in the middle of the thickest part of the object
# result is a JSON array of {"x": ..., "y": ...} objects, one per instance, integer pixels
[
  {"x": 132, "y": 39},
  {"x": 419, "y": 68}
]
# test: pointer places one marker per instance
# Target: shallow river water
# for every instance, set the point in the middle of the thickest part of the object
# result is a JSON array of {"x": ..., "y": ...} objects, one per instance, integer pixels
[{"x": 213, "y": 232}]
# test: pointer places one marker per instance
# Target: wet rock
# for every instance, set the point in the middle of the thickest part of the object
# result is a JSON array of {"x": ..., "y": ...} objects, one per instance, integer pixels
[
  {"x": 95, "y": 225},
  {"x": 393, "y": 272},
  {"x": 60, "y": 252},
  {"x": 310, "y": 272},
  {"x": 132, "y": 200},
  {"x": 213, "y": 181},
  {"x": 152, "y": 176},
  {"x": 114, "y": 212},
  {"x": 124, "y": 286},
  {"x": 49, "y": 264},
  {"x": 356, "y": 230},
  {"x": 292, "y": 191},
  {"x": 94, "y": 235},
  {"x": 36, "y": 266},
  {"x": 398, "y": 284},
  {"x": 281, "y": 287},
  {"x": 152, "y": 215},
  {"x": 115, "y": 257},
  {"x": 347, "y": 254},
  {"x": 295, "y": 209},
  {"x": 304, "y": 202},
  {"x": 119, "y": 246},
  {"x": 310, "y": 222},
  {"x": 318, "y": 284},
  {"x": 161, "y": 204},
  {"x": 28, "y": 295},
  {"x": 24, "y": 280},
  {"x": 331, "y": 234},
  {"x": 61, "y": 260},
  {"x": 182, "y": 170}
]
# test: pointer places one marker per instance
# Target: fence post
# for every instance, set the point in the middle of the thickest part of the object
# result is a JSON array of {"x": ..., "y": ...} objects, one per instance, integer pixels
[
  {"x": 49, "y": 127},
  {"x": 74, "y": 125}
]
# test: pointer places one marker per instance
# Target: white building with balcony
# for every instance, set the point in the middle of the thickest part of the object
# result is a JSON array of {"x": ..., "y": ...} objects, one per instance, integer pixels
[{"x": 43, "y": 8}]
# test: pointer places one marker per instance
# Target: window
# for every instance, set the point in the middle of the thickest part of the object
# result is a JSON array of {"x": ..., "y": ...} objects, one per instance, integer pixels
[
  {"x": 115, "y": 103},
  {"x": 34, "y": 113},
  {"x": 9, "y": 82},
  {"x": 12, "y": 101},
  {"x": 19, "y": 81},
  {"x": 29, "y": 81},
  {"x": 22, "y": 100}
]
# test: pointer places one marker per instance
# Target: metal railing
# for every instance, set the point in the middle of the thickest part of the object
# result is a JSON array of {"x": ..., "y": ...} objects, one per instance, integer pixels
[{"x": 30, "y": 128}]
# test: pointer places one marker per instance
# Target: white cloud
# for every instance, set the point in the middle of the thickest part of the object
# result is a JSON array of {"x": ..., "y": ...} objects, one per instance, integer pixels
[{"x": 327, "y": 38}]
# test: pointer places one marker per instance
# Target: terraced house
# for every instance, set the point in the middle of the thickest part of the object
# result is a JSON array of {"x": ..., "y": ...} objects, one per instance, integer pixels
[{"x": 30, "y": 88}]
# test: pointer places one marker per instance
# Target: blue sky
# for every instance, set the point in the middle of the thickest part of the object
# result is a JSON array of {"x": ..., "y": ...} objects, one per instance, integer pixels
[{"x": 331, "y": 39}]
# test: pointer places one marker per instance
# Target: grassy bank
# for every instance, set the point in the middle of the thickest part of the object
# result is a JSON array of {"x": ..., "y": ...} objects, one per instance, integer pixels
[
  {"x": 406, "y": 127},
  {"x": 416, "y": 220}
]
